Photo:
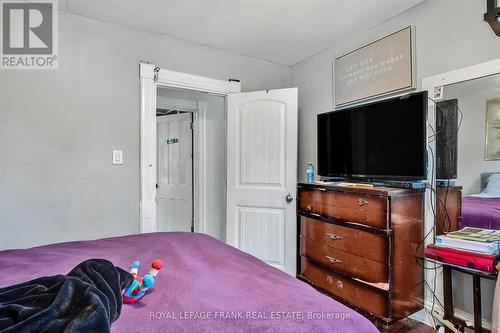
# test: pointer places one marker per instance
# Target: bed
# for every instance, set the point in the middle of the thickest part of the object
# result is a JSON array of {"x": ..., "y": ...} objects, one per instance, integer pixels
[
  {"x": 206, "y": 286},
  {"x": 483, "y": 210}
]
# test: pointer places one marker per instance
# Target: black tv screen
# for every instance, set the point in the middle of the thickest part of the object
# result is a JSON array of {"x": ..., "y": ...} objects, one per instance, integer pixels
[{"x": 380, "y": 140}]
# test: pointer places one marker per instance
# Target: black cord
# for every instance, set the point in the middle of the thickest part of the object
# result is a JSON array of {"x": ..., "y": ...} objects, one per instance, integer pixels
[
  {"x": 438, "y": 106},
  {"x": 434, "y": 293},
  {"x": 434, "y": 298},
  {"x": 438, "y": 201},
  {"x": 433, "y": 209},
  {"x": 444, "y": 228}
]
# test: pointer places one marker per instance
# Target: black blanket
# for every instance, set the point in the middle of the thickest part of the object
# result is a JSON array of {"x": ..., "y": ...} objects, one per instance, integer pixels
[{"x": 88, "y": 299}]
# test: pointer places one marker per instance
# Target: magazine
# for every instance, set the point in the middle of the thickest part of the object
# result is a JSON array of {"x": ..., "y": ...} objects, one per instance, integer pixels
[{"x": 476, "y": 234}]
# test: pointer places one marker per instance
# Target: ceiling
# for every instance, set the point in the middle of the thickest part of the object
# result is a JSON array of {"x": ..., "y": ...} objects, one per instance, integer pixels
[{"x": 282, "y": 31}]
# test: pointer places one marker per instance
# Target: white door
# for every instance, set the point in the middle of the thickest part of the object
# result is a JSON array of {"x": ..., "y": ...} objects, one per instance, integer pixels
[
  {"x": 174, "y": 209},
  {"x": 261, "y": 173}
]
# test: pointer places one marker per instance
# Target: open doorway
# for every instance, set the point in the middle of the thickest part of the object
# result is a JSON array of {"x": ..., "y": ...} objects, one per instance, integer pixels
[
  {"x": 257, "y": 215},
  {"x": 190, "y": 164}
]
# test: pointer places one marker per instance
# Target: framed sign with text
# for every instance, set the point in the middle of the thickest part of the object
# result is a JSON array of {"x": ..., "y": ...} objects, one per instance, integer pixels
[{"x": 385, "y": 66}]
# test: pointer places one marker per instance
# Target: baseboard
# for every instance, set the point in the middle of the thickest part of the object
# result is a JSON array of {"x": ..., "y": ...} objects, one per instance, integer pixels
[{"x": 466, "y": 316}]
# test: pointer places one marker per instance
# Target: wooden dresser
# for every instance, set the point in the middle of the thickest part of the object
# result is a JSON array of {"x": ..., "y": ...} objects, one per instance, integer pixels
[
  {"x": 359, "y": 245},
  {"x": 448, "y": 209}
]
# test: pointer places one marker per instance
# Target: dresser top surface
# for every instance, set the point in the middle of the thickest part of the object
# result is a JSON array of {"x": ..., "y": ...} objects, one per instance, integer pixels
[{"x": 375, "y": 190}]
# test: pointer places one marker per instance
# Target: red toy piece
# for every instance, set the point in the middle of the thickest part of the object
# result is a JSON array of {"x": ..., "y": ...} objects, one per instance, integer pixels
[{"x": 137, "y": 289}]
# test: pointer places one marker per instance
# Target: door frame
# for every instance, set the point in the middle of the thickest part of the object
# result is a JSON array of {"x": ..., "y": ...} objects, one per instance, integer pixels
[{"x": 151, "y": 78}]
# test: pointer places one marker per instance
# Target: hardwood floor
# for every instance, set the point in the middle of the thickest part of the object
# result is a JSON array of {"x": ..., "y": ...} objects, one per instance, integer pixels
[{"x": 409, "y": 326}]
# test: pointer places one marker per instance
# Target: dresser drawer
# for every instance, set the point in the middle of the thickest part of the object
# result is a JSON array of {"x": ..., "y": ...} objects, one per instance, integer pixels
[
  {"x": 363, "y": 209},
  {"x": 340, "y": 261},
  {"x": 354, "y": 241},
  {"x": 356, "y": 293}
]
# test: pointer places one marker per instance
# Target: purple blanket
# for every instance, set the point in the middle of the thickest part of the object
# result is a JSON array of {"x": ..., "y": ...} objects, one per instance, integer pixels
[
  {"x": 205, "y": 286},
  {"x": 480, "y": 212}
]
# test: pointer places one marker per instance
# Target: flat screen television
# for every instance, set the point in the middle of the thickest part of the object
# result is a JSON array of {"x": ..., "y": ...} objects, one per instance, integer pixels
[{"x": 380, "y": 140}]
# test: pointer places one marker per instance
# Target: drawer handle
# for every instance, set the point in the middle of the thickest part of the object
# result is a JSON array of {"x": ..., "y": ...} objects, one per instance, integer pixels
[
  {"x": 340, "y": 285},
  {"x": 308, "y": 207},
  {"x": 332, "y": 259},
  {"x": 333, "y": 236},
  {"x": 362, "y": 202}
]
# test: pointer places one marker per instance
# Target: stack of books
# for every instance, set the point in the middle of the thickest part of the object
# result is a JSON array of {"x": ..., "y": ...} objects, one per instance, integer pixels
[{"x": 472, "y": 248}]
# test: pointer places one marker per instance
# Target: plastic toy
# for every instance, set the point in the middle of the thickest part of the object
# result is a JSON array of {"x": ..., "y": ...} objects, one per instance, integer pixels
[{"x": 137, "y": 289}]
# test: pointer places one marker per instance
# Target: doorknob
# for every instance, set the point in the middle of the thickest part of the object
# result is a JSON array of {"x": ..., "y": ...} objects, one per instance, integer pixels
[{"x": 289, "y": 198}]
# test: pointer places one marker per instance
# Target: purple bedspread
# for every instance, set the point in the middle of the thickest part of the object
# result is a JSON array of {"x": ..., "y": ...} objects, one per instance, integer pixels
[
  {"x": 206, "y": 286},
  {"x": 480, "y": 212}
]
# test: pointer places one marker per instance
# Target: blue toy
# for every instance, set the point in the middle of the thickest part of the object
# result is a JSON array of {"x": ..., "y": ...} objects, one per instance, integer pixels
[{"x": 137, "y": 289}]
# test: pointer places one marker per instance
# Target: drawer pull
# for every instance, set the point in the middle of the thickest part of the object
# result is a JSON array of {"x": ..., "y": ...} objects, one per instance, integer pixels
[
  {"x": 333, "y": 236},
  {"x": 332, "y": 259},
  {"x": 308, "y": 207},
  {"x": 362, "y": 202},
  {"x": 340, "y": 285}
]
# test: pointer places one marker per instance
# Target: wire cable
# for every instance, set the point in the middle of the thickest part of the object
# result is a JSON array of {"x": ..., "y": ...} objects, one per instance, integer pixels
[{"x": 438, "y": 202}]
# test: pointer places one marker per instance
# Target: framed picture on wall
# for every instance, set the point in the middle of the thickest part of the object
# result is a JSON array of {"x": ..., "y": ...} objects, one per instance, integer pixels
[
  {"x": 382, "y": 67},
  {"x": 492, "y": 146}
]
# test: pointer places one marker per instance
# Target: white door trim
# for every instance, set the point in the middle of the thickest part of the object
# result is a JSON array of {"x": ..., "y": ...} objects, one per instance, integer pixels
[
  {"x": 150, "y": 78},
  {"x": 460, "y": 75}
]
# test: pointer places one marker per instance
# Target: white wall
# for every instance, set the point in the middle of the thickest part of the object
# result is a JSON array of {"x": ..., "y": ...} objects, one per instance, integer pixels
[
  {"x": 58, "y": 129},
  {"x": 450, "y": 34},
  {"x": 216, "y": 166}
]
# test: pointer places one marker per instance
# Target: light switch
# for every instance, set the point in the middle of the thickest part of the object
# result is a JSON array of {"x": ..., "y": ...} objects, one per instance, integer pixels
[{"x": 118, "y": 157}]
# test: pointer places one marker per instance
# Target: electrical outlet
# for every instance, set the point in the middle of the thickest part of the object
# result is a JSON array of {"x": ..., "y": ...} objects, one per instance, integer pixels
[{"x": 438, "y": 93}]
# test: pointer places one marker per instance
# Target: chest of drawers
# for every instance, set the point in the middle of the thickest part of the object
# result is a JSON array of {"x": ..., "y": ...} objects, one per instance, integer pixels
[{"x": 362, "y": 247}]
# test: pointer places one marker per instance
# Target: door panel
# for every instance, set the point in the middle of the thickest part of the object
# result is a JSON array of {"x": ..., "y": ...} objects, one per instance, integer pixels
[
  {"x": 261, "y": 171},
  {"x": 262, "y": 138},
  {"x": 261, "y": 233},
  {"x": 174, "y": 193}
]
